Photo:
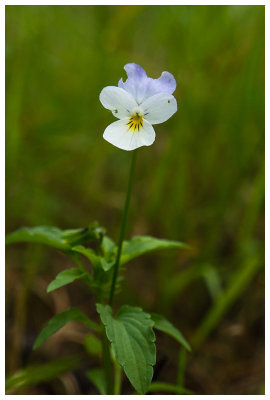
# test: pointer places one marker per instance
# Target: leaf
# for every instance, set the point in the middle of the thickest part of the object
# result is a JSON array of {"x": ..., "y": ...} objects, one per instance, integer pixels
[
  {"x": 97, "y": 377},
  {"x": 132, "y": 338},
  {"x": 96, "y": 260},
  {"x": 65, "y": 277},
  {"x": 139, "y": 245},
  {"x": 60, "y": 320},
  {"x": 162, "y": 324},
  {"x": 109, "y": 250},
  {"x": 48, "y": 235},
  {"x": 88, "y": 253},
  {"x": 78, "y": 236},
  {"x": 55, "y": 237},
  {"x": 43, "y": 373},
  {"x": 106, "y": 265},
  {"x": 108, "y": 246}
]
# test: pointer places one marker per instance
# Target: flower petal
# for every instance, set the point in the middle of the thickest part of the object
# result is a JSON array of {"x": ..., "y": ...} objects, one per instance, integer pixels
[
  {"x": 159, "y": 108},
  {"x": 119, "y": 101},
  {"x": 136, "y": 82},
  {"x": 141, "y": 87},
  {"x": 119, "y": 134},
  {"x": 135, "y": 71},
  {"x": 165, "y": 84}
]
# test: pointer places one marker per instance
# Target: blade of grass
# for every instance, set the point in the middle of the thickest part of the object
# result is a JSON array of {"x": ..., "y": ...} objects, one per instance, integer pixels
[{"x": 239, "y": 282}]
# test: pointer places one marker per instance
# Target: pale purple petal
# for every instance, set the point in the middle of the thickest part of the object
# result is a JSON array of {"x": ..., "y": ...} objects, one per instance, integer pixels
[
  {"x": 136, "y": 82},
  {"x": 135, "y": 71},
  {"x": 165, "y": 84},
  {"x": 141, "y": 87}
]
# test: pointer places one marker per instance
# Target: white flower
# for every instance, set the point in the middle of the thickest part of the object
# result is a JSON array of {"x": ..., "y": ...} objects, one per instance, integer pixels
[{"x": 138, "y": 103}]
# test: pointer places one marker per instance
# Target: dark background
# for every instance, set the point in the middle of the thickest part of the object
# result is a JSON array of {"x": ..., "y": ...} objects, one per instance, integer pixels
[{"x": 201, "y": 182}]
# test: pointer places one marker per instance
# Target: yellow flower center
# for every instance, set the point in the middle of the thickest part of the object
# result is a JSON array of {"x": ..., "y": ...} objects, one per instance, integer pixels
[{"x": 135, "y": 122}]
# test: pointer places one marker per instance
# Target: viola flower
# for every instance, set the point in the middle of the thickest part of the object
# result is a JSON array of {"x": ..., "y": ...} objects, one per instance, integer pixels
[{"x": 138, "y": 103}]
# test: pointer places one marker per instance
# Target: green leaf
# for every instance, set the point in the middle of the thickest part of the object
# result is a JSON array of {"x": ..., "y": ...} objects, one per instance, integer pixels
[
  {"x": 55, "y": 237},
  {"x": 65, "y": 277},
  {"x": 139, "y": 245},
  {"x": 109, "y": 250},
  {"x": 60, "y": 320},
  {"x": 88, "y": 253},
  {"x": 162, "y": 324},
  {"x": 97, "y": 261},
  {"x": 97, "y": 377},
  {"x": 106, "y": 265},
  {"x": 78, "y": 236},
  {"x": 48, "y": 235},
  {"x": 132, "y": 338},
  {"x": 42, "y": 373},
  {"x": 107, "y": 245}
]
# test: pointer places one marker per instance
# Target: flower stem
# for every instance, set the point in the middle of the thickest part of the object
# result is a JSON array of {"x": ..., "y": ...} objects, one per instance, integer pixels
[{"x": 123, "y": 227}]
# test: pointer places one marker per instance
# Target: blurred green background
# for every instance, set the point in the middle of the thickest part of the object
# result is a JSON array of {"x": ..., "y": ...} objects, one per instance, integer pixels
[{"x": 201, "y": 182}]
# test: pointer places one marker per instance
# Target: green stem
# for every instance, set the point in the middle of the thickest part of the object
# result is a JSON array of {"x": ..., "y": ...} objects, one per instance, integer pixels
[
  {"x": 118, "y": 378},
  {"x": 123, "y": 227},
  {"x": 108, "y": 368},
  {"x": 182, "y": 361}
]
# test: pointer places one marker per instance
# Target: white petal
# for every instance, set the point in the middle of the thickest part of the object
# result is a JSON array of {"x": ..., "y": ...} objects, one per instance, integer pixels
[
  {"x": 117, "y": 100},
  {"x": 147, "y": 134},
  {"x": 159, "y": 108},
  {"x": 119, "y": 134}
]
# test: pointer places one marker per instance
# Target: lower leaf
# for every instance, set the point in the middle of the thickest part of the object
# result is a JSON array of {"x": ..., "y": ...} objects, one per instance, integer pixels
[
  {"x": 66, "y": 277},
  {"x": 60, "y": 320},
  {"x": 165, "y": 326},
  {"x": 132, "y": 339}
]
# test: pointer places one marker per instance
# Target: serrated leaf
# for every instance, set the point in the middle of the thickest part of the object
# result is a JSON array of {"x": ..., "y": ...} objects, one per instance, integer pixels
[
  {"x": 132, "y": 339},
  {"x": 139, "y": 245},
  {"x": 60, "y": 320},
  {"x": 97, "y": 377},
  {"x": 66, "y": 277},
  {"x": 162, "y": 324}
]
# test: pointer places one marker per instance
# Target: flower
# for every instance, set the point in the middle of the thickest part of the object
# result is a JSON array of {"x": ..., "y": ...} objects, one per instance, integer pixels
[{"x": 138, "y": 103}]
